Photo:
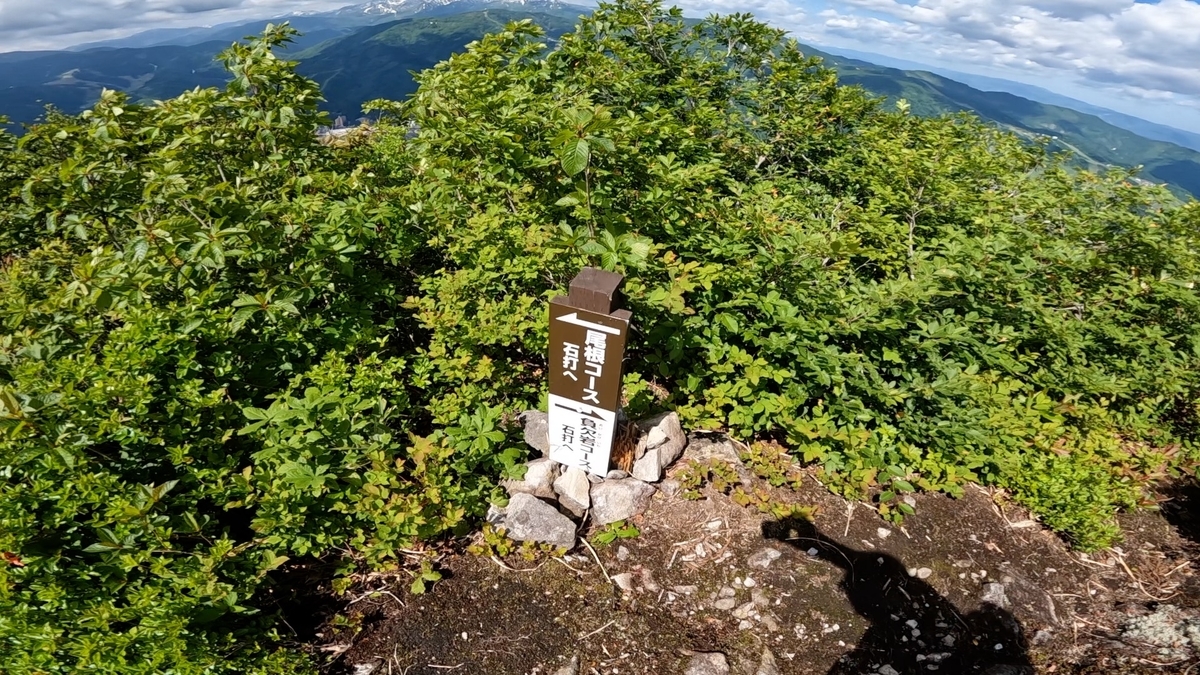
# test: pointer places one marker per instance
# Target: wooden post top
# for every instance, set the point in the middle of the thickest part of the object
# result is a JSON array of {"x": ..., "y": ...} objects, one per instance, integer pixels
[{"x": 595, "y": 290}]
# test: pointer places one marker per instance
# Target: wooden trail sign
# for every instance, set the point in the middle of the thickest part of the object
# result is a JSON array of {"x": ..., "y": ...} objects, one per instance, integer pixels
[{"x": 587, "y": 347}]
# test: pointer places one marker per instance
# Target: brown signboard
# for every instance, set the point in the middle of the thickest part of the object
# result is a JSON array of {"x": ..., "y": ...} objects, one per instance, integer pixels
[{"x": 587, "y": 346}]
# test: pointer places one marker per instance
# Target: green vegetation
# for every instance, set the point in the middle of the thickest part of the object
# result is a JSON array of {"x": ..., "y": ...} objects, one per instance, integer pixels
[
  {"x": 615, "y": 531},
  {"x": 225, "y": 345},
  {"x": 360, "y": 63},
  {"x": 1091, "y": 142}
]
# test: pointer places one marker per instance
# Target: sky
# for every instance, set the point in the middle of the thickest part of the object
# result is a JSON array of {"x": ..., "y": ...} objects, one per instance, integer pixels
[{"x": 1141, "y": 57}]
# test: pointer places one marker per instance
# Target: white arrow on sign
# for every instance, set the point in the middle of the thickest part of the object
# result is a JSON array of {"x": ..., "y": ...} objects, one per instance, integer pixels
[{"x": 573, "y": 318}]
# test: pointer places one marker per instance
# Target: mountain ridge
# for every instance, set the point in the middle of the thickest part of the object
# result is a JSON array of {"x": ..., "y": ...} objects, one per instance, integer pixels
[{"x": 357, "y": 63}]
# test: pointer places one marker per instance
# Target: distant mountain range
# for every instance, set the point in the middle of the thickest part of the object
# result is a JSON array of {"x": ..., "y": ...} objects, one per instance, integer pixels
[
  {"x": 1151, "y": 130},
  {"x": 367, "y": 51}
]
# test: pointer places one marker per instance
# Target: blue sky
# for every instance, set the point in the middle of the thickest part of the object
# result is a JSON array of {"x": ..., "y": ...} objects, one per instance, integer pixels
[{"x": 1137, "y": 56}]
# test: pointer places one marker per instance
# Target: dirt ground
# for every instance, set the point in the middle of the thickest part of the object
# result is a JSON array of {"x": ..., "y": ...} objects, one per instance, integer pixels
[{"x": 972, "y": 585}]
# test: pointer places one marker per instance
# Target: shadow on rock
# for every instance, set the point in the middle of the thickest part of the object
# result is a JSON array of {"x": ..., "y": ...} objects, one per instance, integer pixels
[{"x": 913, "y": 629}]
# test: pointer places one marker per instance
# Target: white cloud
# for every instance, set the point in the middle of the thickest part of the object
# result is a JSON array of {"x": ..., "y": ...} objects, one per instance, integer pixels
[
  {"x": 52, "y": 24},
  {"x": 1135, "y": 49}
]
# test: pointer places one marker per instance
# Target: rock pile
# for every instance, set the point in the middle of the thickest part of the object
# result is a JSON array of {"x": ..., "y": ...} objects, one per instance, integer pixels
[{"x": 545, "y": 505}]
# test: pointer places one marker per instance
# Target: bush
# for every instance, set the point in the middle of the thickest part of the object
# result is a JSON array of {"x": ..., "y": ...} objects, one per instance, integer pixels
[
  {"x": 225, "y": 345},
  {"x": 910, "y": 303}
]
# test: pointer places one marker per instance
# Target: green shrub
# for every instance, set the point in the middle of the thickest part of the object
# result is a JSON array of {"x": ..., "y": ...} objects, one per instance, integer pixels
[
  {"x": 908, "y": 302},
  {"x": 225, "y": 345}
]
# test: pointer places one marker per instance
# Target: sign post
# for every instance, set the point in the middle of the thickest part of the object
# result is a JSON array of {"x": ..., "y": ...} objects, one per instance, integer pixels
[{"x": 587, "y": 347}]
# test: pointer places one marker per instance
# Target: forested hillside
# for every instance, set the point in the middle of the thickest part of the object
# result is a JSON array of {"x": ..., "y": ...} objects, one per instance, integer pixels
[
  {"x": 227, "y": 350},
  {"x": 1091, "y": 142},
  {"x": 357, "y": 56}
]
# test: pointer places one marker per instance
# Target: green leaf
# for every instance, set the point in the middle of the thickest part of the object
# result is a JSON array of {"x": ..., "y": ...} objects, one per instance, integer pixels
[{"x": 575, "y": 156}]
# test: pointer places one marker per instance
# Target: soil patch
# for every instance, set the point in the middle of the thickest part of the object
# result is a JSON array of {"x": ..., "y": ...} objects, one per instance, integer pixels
[{"x": 969, "y": 585}]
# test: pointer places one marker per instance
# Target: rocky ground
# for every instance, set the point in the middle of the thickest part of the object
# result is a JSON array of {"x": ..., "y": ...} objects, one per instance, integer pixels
[{"x": 973, "y": 585}]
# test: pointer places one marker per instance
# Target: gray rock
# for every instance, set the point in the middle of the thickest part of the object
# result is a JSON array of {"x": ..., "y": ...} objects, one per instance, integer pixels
[
  {"x": 616, "y": 474},
  {"x": 537, "y": 430},
  {"x": 647, "y": 468},
  {"x": 704, "y": 447},
  {"x": 670, "y": 487},
  {"x": 531, "y": 519},
  {"x": 745, "y": 611},
  {"x": 763, "y": 558},
  {"x": 924, "y": 573},
  {"x": 572, "y": 489},
  {"x": 496, "y": 516},
  {"x": 623, "y": 499},
  {"x": 622, "y": 553},
  {"x": 538, "y": 481},
  {"x": 887, "y": 670},
  {"x": 759, "y": 598},
  {"x": 685, "y": 590},
  {"x": 767, "y": 665},
  {"x": 726, "y": 592},
  {"x": 572, "y": 668},
  {"x": 648, "y": 581},
  {"x": 662, "y": 436},
  {"x": 707, "y": 663},
  {"x": 994, "y": 593},
  {"x": 624, "y": 581},
  {"x": 725, "y": 604}
]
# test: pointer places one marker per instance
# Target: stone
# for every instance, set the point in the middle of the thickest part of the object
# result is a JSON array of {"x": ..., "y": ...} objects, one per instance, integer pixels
[
  {"x": 365, "y": 668},
  {"x": 745, "y": 611},
  {"x": 662, "y": 437},
  {"x": 924, "y": 573},
  {"x": 704, "y": 447},
  {"x": 616, "y": 474},
  {"x": 994, "y": 593},
  {"x": 531, "y": 519},
  {"x": 766, "y": 664},
  {"x": 537, "y": 430},
  {"x": 495, "y": 516},
  {"x": 647, "y": 468},
  {"x": 707, "y": 663},
  {"x": 622, "y": 553},
  {"x": 887, "y": 670},
  {"x": 572, "y": 668},
  {"x": 572, "y": 488},
  {"x": 670, "y": 487},
  {"x": 763, "y": 558},
  {"x": 685, "y": 590},
  {"x": 623, "y": 499},
  {"x": 624, "y": 581},
  {"x": 759, "y": 598},
  {"x": 726, "y": 592},
  {"x": 725, "y": 604},
  {"x": 538, "y": 480},
  {"x": 648, "y": 581}
]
